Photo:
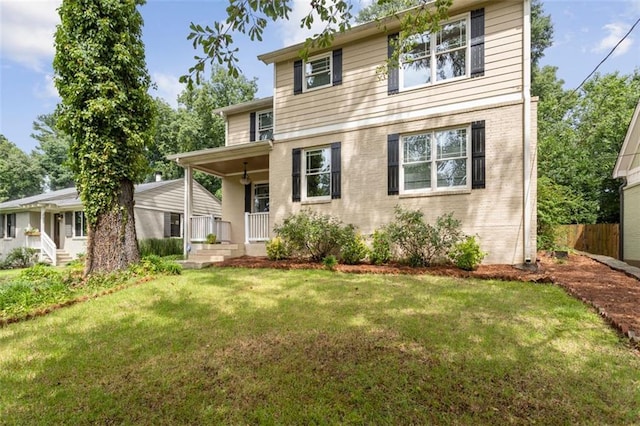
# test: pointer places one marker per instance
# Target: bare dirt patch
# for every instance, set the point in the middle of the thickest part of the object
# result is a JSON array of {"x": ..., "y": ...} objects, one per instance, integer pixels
[{"x": 615, "y": 295}]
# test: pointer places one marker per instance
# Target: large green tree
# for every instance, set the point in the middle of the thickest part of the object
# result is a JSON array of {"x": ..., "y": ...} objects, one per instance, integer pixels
[
  {"x": 20, "y": 175},
  {"x": 102, "y": 79},
  {"x": 52, "y": 152}
]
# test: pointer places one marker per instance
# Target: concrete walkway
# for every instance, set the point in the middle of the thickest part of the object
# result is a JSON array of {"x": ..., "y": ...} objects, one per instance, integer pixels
[{"x": 618, "y": 265}]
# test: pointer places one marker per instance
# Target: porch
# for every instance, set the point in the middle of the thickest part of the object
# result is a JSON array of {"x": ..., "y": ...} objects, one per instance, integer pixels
[{"x": 244, "y": 171}]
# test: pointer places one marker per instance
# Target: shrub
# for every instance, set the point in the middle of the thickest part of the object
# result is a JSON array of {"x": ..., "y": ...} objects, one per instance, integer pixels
[
  {"x": 40, "y": 273},
  {"x": 160, "y": 246},
  {"x": 211, "y": 238},
  {"x": 311, "y": 234},
  {"x": 419, "y": 242},
  {"x": 277, "y": 249},
  {"x": 353, "y": 248},
  {"x": 466, "y": 254},
  {"x": 153, "y": 264},
  {"x": 21, "y": 257},
  {"x": 380, "y": 247},
  {"x": 330, "y": 262}
]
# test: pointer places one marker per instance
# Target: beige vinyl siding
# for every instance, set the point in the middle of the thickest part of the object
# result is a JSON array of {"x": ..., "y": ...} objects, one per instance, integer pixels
[
  {"x": 494, "y": 213},
  {"x": 238, "y": 129},
  {"x": 364, "y": 95},
  {"x": 631, "y": 230},
  {"x": 636, "y": 162},
  {"x": 149, "y": 223},
  {"x": 170, "y": 198}
]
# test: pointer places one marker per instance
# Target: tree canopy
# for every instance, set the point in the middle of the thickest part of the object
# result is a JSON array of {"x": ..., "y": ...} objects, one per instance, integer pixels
[
  {"x": 20, "y": 176},
  {"x": 52, "y": 152}
]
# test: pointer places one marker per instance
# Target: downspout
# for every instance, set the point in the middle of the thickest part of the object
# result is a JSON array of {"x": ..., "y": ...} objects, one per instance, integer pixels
[
  {"x": 526, "y": 111},
  {"x": 621, "y": 233}
]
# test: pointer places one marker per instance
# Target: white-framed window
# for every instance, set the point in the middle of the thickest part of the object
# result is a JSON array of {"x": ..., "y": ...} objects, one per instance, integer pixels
[
  {"x": 435, "y": 161},
  {"x": 264, "y": 128},
  {"x": 8, "y": 225},
  {"x": 317, "y": 72},
  {"x": 260, "y": 197},
  {"x": 317, "y": 173},
  {"x": 80, "y": 224},
  {"x": 435, "y": 57}
]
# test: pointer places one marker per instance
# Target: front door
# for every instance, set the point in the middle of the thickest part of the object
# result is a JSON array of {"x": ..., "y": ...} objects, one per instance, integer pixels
[{"x": 57, "y": 219}]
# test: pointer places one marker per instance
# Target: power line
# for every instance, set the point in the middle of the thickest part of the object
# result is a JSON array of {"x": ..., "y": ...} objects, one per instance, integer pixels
[{"x": 606, "y": 57}]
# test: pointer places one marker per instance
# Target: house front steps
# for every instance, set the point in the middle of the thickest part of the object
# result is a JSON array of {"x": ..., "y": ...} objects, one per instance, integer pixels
[
  {"x": 62, "y": 258},
  {"x": 210, "y": 254}
]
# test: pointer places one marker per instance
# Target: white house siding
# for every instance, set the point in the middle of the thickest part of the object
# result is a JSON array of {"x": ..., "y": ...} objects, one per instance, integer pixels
[
  {"x": 495, "y": 213},
  {"x": 631, "y": 225},
  {"x": 150, "y": 223},
  {"x": 238, "y": 126},
  {"x": 170, "y": 198},
  {"x": 363, "y": 95}
]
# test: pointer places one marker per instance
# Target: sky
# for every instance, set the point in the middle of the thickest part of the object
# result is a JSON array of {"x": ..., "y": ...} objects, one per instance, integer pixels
[{"x": 584, "y": 33}]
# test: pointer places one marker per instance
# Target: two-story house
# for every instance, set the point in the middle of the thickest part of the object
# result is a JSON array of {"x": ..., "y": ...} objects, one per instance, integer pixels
[{"x": 452, "y": 129}]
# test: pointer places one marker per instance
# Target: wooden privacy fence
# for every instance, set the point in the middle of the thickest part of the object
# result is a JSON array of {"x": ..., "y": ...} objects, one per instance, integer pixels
[{"x": 601, "y": 238}]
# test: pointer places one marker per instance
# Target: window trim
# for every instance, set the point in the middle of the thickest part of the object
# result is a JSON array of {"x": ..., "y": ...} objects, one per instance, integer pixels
[
  {"x": 83, "y": 223},
  {"x": 305, "y": 76},
  {"x": 303, "y": 173},
  {"x": 258, "y": 129},
  {"x": 5, "y": 229},
  {"x": 433, "y": 54},
  {"x": 171, "y": 225},
  {"x": 434, "y": 189}
]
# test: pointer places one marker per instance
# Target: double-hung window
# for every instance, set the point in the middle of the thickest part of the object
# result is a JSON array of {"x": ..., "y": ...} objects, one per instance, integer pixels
[
  {"x": 260, "y": 197},
  {"x": 434, "y": 161},
  {"x": 317, "y": 72},
  {"x": 8, "y": 225},
  {"x": 317, "y": 173},
  {"x": 265, "y": 125},
  {"x": 80, "y": 221},
  {"x": 176, "y": 225},
  {"x": 434, "y": 57}
]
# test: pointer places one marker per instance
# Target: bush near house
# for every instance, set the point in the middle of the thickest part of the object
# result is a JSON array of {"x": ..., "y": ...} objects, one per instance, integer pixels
[
  {"x": 20, "y": 257},
  {"x": 160, "y": 246}
]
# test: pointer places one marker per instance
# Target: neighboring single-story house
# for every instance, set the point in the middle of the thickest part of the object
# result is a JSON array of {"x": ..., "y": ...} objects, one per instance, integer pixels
[
  {"x": 54, "y": 222},
  {"x": 452, "y": 129},
  {"x": 628, "y": 169}
]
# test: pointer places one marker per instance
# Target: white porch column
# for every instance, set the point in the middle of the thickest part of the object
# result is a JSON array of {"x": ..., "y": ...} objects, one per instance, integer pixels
[
  {"x": 42, "y": 212},
  {"x": 188, "y": 202},
  {"x": 246, "y": 228}
]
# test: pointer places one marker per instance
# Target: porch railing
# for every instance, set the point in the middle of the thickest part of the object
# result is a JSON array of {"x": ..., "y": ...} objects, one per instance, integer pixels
[
  {"x": 201, "y": 226},
  {"x": 48, "y": 247},
  {"x": 256, "y": 227}
]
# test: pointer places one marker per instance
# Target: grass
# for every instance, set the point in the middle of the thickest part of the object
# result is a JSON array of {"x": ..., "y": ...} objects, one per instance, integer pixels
[{"x": 232, "y": 346}]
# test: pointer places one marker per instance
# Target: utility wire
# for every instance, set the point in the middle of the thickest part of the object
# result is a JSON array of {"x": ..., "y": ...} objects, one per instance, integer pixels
[{"x": 606, "y": 57}]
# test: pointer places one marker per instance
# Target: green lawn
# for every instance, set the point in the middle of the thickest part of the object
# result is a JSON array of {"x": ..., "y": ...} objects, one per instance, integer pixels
[{"x": 236, "y": 346}]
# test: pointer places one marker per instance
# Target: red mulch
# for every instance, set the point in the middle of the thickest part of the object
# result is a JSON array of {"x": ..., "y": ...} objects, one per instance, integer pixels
[{"x": 615, "y": 295}]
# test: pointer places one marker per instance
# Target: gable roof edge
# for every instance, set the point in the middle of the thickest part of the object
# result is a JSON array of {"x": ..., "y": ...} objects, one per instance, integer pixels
[{"x": 630, "y": 146}]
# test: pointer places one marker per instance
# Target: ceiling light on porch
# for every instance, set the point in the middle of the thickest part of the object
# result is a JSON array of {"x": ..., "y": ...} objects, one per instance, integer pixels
[{"x": 245, "y": 178}]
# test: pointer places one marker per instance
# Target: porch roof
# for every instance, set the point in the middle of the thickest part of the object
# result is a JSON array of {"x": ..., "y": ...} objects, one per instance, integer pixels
[{"x": 227, "y": 160}]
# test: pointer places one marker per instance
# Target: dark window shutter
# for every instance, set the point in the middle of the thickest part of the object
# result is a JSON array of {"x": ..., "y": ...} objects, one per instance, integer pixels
[
  {"x": 2, "y": 225},
  {"x": 477, "y": 43},
  {"x": 167, "y": 225},
  {"x": 336, "y": 167},
  {"x": 68, "y": 224},
  {"x": 477, "y": 155},
  {"x": 297, "y": 77},
  {"x": 12, "y": 230},
  {"x": 295, "y": 174},
  {"x": 252, "y": 127},
  {"x": 247, "y": 198},
  {"x": 337, "y": 67},
  {"x": 393, "y": 76},
  {"x": 393, "y": 162}
]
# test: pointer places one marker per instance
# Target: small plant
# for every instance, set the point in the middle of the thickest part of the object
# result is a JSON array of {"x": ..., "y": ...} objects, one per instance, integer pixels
[
  {"x": 311, "y": 234},
  {"x": 381, "y": 247},
  {"x": 330, "y": 262},
  {"x": 353, "y": 248},
  {"x": 21, "y": 257},
  {"x": 160, "y": 246},
  {"x": 467, "y": 254},
  {"x": 211, "y": 238},
  {"x": 277, "y": 249},
  {"x": 153, "y": 264},
  {"x": 420, "y": 242}
]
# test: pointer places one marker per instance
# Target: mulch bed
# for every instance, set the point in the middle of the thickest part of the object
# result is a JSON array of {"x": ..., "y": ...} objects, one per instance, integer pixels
[{"x": 615, "y": 295}]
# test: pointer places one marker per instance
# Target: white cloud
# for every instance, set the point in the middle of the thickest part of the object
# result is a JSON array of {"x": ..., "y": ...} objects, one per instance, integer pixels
[
  {"x": 26, "y": 31},
  {"x": 290, "y": 31},
  {"x": 635, "y": 5},
  {"x": 46, "y": 89},
  {"x": 168, "y": 87},
  {"x": 615, "y": 30}
]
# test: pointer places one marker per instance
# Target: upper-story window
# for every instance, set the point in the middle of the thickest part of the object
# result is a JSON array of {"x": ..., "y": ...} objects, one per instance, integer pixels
[
  {"x": 434, "y": 161},
  {"x": 435, "y": 57},
  {"x": 265, "y": 125},
  {"x": 317, "y": 72}
]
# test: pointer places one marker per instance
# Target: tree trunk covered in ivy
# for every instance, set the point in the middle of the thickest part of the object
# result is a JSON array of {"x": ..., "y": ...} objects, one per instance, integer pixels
[
  {"x": 112, "y": 243},
  {"x": 102, "y": 79}
]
